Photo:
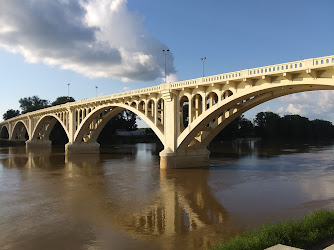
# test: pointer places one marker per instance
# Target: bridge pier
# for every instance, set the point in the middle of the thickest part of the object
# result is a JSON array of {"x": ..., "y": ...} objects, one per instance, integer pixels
[
  {"x": 38, "y": 144},
  {"x": 184, "y": 159},
  {"x": 82, "y": 148}
]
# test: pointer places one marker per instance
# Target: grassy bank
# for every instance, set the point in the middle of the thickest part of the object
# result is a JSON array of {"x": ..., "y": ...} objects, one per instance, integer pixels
[{"x": 304, "y": 233}]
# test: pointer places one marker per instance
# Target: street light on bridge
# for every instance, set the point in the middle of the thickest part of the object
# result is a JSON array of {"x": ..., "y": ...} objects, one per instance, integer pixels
[
  {"x": 165, "y": 52},
  {"x": 203, "y": 61},
  {"x": 96, "y": 90},
  {"x": 68, "y": 91}
]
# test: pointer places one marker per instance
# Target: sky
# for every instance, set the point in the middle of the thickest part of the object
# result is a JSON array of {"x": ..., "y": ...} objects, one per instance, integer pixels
[{"x": 116, "y": 45}]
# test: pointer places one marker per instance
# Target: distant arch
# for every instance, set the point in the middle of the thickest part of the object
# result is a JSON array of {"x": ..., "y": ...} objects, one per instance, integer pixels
[
  {"x": 90, "y": 128},
  {"x": 4, "y": 132},
  {"x": 20, "y": 131},
  {"x": 45, "y": 125}
]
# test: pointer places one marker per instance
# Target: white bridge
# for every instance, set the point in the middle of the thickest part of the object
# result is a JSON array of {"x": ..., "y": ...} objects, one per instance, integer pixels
[{"x": 213, "y": 102}]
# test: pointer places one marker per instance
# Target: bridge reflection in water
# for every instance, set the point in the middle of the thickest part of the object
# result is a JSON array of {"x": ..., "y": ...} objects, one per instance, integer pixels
[{"x": 104, "y": 191}]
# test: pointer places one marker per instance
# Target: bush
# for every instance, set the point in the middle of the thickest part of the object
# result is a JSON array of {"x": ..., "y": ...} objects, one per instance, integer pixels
[{"x": 309, "y": 231}]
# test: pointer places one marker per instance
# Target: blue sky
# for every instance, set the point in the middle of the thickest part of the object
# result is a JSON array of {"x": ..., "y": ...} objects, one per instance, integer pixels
[{"x": 116, "y": 45}]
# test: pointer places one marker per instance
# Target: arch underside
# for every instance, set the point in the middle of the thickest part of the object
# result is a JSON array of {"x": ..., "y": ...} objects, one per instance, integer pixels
[
  {"x": 4, "y": 132},
  {"x": 44, "y": 127},
  {"x": 211, "y": 122},
  {"x": 91, "y": 127},
  {"x": 19, "y": 131}
]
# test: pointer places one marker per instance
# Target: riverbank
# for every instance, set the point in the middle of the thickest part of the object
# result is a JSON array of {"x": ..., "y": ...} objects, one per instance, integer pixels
[{"x": 314, "y": 231}]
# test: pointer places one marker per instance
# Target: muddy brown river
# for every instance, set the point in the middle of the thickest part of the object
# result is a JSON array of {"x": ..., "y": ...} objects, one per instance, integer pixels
[{"x": 120, "y": 199}]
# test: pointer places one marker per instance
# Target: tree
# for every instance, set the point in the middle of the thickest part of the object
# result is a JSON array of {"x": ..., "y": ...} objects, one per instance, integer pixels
[
  {"x": 125, "y": 120},
  {"x": 240, "y": 127},
  {"x": 267, "y": 124},
  {"x": 29, "y": 104},
  {"x": 322, "y": 129},
  {"x": 62, "y": 100},
  {"x": 295, "y": 126},
  {"x": 10, "y": 113}
]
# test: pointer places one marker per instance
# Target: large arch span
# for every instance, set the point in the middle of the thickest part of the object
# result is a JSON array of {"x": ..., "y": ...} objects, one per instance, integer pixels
[
  {"x": 184, "y": 115},
  {"x": 203, "y": 130}
]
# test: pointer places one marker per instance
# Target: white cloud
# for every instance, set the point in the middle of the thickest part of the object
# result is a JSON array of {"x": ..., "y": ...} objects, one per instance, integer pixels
[
  {"x": 293, "y": 110},
  {"x": 171, "y": 78},
  {"x": 96, "y": 38},
  {"x": 314, "y": 104}
]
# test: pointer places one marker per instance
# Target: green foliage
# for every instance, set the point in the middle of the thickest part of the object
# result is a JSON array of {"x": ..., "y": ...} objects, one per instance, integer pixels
[
  {"x": 309, "y": 231},
  {"x": 10, "y": 113},
  {"x": 240, "y": 127},
  {"x": 125, "y": 120},
  {"x": 29, "y": 104},
  {"x": 266, "y": 124},
  {"x": 270, "y": 125},
  {"x": 62, "y": 100}
]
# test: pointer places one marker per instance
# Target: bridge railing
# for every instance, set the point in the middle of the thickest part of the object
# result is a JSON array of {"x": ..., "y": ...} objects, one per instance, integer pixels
[
  {"x": 312, "y": 63},
  {"x": 254, "y": 72}
]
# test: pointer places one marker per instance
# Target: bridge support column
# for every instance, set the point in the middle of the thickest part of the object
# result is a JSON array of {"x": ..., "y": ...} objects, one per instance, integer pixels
[
  {"x": 171, "y": 157},
  {"x": 38, "y": 144},
  {"x": 191, "y": 159},
  {"x": 82, "y": 148}
]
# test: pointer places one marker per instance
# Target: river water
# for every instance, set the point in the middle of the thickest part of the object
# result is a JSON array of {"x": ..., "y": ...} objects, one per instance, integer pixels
[{"x": 120, "y": 199}]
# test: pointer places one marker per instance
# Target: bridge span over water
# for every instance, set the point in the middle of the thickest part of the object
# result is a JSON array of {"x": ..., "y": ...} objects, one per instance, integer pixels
[{"x": 214, "y": 101}]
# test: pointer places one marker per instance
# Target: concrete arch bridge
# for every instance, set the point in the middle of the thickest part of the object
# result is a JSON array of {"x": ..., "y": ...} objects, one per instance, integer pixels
[{"x": 213, "y": 102}]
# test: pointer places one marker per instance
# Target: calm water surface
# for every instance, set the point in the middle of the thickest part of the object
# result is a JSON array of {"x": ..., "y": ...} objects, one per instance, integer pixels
[{"x": 120, "y": 199}]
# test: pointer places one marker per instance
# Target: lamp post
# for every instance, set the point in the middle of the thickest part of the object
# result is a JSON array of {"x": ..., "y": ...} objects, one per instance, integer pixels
[
  {"x": 203, "y": 61},
  {"x": 165, "y": 52},
  {"x": 96, "y": 90},
  {"x": 68, "y": 91}
]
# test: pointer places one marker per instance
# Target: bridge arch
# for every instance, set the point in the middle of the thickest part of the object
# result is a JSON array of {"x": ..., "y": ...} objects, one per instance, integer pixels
[
  {"x": 142, "y": 106},
  {"x": 184, "y": 103},
  {"x": 92, "y": 125},
  {"x": 45, "y": 125},
  {"x": 20, "y": 129},
  {"x": 216, "y": 118},
  {"x": 211, "y": 99},
  {"x": 4, "y": 132},
  {"x": 151, "y": 108},
  {"x": 160, "y": 112}
]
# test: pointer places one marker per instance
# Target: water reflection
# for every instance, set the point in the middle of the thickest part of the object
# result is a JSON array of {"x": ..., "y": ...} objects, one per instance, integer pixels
[
  {"x": 120, "y": 199},
  {"x": 263, "y": 149},
  {"x": 118, "y": 192}
]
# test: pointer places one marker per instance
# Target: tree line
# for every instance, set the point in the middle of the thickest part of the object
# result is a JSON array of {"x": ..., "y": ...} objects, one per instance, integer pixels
[
  {"x": 269, "y": 125},
  {"x": 33, "y": 103}
]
